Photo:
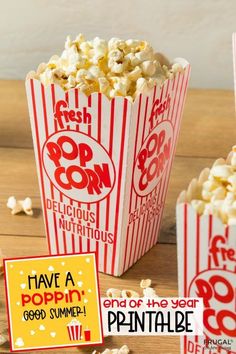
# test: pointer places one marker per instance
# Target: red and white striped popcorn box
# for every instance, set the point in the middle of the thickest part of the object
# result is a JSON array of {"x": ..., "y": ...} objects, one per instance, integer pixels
[
  {"x": 207, "y": 269},
  {"x": 74, "y": 330},
  {"x": 104, "y": 166}
]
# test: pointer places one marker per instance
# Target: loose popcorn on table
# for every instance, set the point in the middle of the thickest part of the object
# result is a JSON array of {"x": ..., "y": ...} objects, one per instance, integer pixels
[
  {"x": 123, "y": 350},
  {"x": 215, "y": 191},
  {"x": 18, "y": 206},
  {"x": 116, "y": 67},
  {"x": 145, "y": 285}
]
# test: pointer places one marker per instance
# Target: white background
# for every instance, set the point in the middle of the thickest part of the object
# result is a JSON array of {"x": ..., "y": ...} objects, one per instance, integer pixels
[{"x": 33, "y": 30}]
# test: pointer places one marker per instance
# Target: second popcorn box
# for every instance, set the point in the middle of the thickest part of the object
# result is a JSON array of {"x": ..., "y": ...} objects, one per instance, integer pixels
[
  {"x": 104, "y": 157},
  {"x": 206, "y": 229}
]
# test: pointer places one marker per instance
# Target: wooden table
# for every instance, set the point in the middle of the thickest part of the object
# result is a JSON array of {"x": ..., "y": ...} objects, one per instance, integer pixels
[{"x": 208, "y": 132}]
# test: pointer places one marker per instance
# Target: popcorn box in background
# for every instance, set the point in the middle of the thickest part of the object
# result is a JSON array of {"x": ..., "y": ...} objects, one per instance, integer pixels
[
  {"x": 104, "y": 166},
  {"x": 207, "y": 268}
]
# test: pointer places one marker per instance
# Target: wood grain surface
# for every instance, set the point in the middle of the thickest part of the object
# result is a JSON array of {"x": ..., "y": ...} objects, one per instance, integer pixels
[{"x": 208, "y": 131}]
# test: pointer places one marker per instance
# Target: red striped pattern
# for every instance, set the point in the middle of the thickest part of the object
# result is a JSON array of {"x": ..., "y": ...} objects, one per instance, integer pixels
[
  {"x": 142, "y": 233},
  {"x": 121, "y": 128},
  {"x": 194, "y": 236}
]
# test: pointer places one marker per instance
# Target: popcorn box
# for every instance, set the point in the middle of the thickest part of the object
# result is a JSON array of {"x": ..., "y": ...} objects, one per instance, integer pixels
[
  {"x": 104, "y": 166},
  {"x": 74, "y": 330},
  {"x": 207, "y": 269}
]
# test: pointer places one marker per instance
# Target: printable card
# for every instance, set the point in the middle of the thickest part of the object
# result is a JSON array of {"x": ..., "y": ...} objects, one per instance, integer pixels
[{"x": 53, "y": 301}]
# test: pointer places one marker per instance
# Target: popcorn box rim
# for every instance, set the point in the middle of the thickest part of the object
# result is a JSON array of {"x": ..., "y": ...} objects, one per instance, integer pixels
[
  {"x": 179, "y": 60},
  {"x": 181, "y": 204}
]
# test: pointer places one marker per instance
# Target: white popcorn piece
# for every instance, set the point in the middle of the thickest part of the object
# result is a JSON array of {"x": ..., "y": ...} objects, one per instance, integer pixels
[
  {"x": 115, "y": 55},
  {"x": 228, "y": 209},
  {"x": 145, "y": 283},
  {"x": 233, "y": 158},
  {"x": 129, "y": 293},
  {"x": 131, "y": 58},
  {"x": 103, "y": 84},
  {"x": 18, "y": 206},
  {"x": 46, "y": 77},
  {"x": 222, "y": 171},
  {"x": 145, "y": 54},
  {"x": 115, "y": 67},
  {"x": 96, "y": 72},
  {"x": 218, "y": 193},
  {"x": 41, "y": 68},
  {"x": 232, "y": 183},
  {"x": 135, "y": 74},
  {"x": 112, "y": 292},
  {"x": 149, "y": 292},
  {"x": 71, "y": 81},
  {"x": 142, "y": 85},
  {"x": 116, "y": 43},
  {"x": 148, "y": 67},
  {"x": 124, "y": 350},
  {"x": 32, "y": 75},
  {"x": 176, "y": 68}
]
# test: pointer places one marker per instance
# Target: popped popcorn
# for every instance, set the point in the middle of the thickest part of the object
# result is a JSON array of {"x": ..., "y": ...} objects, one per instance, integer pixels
[
  {"x": 215, "y": 191},
  {"x": 129, "y": 293},
  {"x": 113, "y": 293},
  {"x": 115, "y": 67},
  {"x": 145, "y": 283},
  {"x": 123, "y": 350},
  {"x": 18, "y": 206},
  {"x": 149, "y": 292}
]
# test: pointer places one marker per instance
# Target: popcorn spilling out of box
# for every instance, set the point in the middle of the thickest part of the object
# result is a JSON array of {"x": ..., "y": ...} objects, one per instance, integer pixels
[
  {"x": 206, "y": 229},
  {"x": 116, "y": 67}
]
